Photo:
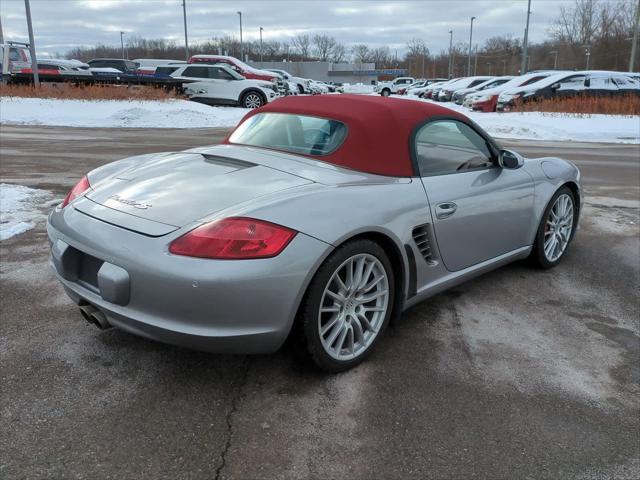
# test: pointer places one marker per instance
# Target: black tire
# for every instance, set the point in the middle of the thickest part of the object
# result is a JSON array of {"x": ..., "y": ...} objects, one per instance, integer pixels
[
  {"x": 300, "y": 89},
  {"x": 252, "y": 98},
  {"x": 311, "y": 304},
  {"x": 538, "y": 257},
  {"x": 385, "y": 92}
]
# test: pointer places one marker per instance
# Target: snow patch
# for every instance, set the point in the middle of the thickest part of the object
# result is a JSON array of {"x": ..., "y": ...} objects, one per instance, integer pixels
[
  {"x": 21, "y": 208},
  {"x": 358, "y": 88},
  {"x": 117, "y": 113}
]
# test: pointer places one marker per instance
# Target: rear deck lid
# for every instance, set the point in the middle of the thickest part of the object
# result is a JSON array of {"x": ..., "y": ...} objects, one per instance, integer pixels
[{"x": 181, "y": 188}]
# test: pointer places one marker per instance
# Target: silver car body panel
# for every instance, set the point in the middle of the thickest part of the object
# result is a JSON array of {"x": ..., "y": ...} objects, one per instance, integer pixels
[{"x": 248, "y": 306}]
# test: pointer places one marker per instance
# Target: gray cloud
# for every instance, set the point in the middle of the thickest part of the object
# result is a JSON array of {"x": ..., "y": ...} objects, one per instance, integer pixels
[{"x": 60, "y": 25}]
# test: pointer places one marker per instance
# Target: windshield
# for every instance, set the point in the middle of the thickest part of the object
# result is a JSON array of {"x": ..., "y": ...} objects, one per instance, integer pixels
[{"x": 291, "y": 133}]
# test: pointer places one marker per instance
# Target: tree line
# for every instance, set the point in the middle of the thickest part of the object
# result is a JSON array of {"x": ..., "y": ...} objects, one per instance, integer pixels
[{"x": 592, "y": 34}]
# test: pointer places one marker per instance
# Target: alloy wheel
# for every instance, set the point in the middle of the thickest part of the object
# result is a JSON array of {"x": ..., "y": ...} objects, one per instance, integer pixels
[
  {"x": 353, "y": 307},
  {"x": 558, "y": 227},
  {"x": 252, "y": 100}
]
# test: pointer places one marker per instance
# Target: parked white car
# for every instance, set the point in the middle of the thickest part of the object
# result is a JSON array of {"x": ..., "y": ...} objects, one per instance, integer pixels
[
  {"x": 302, "y": 84},
  {"x": 446, "y": 93},
  {"x": 318, "y": 87},
  {"x": 221, "y": 85},
  {"x": 387, "y": 88}
]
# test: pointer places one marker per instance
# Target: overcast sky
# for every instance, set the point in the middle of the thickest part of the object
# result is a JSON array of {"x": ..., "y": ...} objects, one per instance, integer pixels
[{"x": 63, "y": 24}]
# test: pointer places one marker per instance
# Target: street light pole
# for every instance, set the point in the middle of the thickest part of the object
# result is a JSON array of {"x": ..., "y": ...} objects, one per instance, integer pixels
[
  {"x": 475, "y": 61},
  {"x": 470, "y": 39},
  {"x": 32, "y": 46},
  {"x": 261, "y": 44},
  {"x": 555, "y": 59},
  {"x": 122, "y": 43},
  {"x": 449, "y": 75},
  {"x": 240, "y": 15},
  {"x": 186, "y": 38},
  {"x": 587, "y": 52},
  {"x": 489, "y": 63},
  {"x": 634, "y": 44},
  {"x": 525, "y": 43}
]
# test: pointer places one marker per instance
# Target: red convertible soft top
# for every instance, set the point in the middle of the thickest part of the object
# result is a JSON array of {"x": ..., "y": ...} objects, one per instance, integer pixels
[{"x": 379, "y": 128}]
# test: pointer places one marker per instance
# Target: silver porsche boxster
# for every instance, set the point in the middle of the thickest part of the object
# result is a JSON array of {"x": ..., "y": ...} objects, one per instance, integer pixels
[{"x": 327, "y": 216}]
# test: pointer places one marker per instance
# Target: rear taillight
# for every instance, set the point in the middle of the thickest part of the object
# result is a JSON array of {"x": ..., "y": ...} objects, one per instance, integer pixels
[
  {"x": 234, "y": 239},
  {"x": 81, "y": 187}
]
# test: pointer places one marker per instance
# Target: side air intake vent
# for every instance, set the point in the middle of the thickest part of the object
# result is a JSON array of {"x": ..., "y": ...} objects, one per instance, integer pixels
[{"x": 421, "y": 235}]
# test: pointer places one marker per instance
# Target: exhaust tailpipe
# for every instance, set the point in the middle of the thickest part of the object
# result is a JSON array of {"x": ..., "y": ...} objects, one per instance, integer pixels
[
  {"x": 94, "y": 316},
  {"x": 86, "y": 311},
  {"x": 100, "y": 320}
]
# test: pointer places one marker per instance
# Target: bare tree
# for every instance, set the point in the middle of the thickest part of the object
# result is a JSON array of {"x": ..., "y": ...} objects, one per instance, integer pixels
[
  {"x": 578, "y": 24},
  {"x": 381, "y": 56},
  {"x": 361, "y": 53},
  {"x": 339, "y": 53},
  {"x": 323, "y": 46},
  {"x": 302, "y": 43},
  {"x": 417, "y": 48}
]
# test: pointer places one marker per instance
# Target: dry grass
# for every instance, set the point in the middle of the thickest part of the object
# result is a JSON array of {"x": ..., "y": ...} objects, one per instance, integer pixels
[
  {"x": 583, "y": 105},
  {"x": 88, "y": 92}
]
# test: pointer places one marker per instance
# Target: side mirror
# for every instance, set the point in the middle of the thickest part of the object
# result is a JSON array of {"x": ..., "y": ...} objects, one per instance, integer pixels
[
  {"x": 510, "y": 160},
  {"x": 555, "y": 86}
]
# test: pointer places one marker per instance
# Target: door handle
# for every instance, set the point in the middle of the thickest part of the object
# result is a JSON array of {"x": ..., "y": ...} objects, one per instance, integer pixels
[{"x": 445, "y": 210}]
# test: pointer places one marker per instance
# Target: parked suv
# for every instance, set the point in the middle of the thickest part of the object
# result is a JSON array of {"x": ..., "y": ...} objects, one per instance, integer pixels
[
  {"x": 243, "y": 69},
  {"x": 221, "y": 85},
  {"x": 387, "y": 88},
  {"x": 125, "y": 66}
]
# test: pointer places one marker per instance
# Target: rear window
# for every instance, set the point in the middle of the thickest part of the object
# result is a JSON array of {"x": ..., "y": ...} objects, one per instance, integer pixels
[{"x": 291, "y": 133}]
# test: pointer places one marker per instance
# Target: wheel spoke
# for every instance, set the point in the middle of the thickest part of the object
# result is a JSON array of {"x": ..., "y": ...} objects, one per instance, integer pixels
[
  {"x": 329, "y": 325},
  {"x": 349, "y": 281},
  {"x": 372, "y": 283},
  {"x": 336, "y": 297},
  {"x": 335, "y": 332},
  {"x": 343, "y": 335},
  {"x": 331, "y": 309},
  {"x": 366, "y": 275},
  {"x": 364, "y": 321},
  {"x": 357, "y": 329},
  {"x": 373, "y": 296},
  {"x": 350, "y": 340},
  {"x": 357, "y": 275},
  {"x": 343, "y": 288},
  {"x": 374, "y": 309},
  {"x": 548, "y": 249}
]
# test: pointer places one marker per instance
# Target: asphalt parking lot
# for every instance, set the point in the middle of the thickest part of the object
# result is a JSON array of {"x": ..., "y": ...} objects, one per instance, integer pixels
[{"x": 520, "y": 373}]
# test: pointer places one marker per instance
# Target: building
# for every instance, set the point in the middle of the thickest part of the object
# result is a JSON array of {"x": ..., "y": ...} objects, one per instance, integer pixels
[{"x": 334, "y": 72}]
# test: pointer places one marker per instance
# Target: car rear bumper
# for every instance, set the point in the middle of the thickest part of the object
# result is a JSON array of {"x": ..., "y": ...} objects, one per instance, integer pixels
[{"x": 245, "y": 306}]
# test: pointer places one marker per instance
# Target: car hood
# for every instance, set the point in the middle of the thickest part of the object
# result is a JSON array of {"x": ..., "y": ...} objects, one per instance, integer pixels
[{"x": 181, "y": 188}]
